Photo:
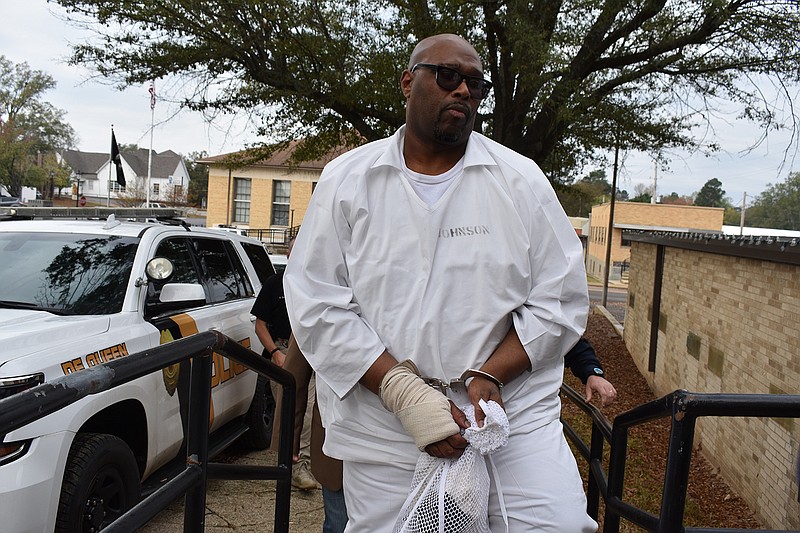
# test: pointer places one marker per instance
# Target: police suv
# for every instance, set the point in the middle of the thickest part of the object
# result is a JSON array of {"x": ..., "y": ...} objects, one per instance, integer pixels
[{"x": 77, "y": 293}]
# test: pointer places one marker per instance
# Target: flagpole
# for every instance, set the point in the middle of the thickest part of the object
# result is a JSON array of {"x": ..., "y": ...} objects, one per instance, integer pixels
[
  {"x": 150, "y": 152},
  {"x": 108, "y": 185}
]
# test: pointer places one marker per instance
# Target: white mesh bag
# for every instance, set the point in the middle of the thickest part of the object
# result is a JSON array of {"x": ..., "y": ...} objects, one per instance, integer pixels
[
  {"x": 452, "y": 496},
  {"x": 447, "y": 496}
]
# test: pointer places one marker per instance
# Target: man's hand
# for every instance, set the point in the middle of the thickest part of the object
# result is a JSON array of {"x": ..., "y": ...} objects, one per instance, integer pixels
[
  {"x": 603, "y": 388},
  {"x": 483, "y": 389},
  {"x": 453, "y": 446},
  {"x": 425, "y": 413}
]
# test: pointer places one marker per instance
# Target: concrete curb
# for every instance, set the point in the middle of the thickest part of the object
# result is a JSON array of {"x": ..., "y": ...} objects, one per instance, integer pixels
[{"x": 599, "y": 309}]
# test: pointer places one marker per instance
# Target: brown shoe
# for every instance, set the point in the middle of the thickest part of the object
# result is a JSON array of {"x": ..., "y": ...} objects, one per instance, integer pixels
[{"x": 302, "y": 478}]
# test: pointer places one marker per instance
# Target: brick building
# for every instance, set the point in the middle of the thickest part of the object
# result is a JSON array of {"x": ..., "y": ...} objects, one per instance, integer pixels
[
  {"x": 267, "y": 198},
  {"x": 640, "y": 216},
  {"x": 712, "y": 313}
]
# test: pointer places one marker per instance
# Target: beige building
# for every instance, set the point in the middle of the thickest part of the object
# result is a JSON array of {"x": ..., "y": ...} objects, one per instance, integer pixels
[
  {"x": 640, "y": 216},
  {"x": 267, "y": 198}
]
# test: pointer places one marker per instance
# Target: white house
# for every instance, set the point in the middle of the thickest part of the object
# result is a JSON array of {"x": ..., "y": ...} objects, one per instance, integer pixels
[{"x": 97, "y": 178}]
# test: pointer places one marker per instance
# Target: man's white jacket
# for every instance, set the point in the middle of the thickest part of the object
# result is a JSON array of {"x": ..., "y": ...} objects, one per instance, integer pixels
[{"x": 374, "y": 268}]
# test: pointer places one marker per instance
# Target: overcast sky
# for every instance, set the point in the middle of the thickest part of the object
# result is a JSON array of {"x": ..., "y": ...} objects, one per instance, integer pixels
[{"x": 31, "y": 33}]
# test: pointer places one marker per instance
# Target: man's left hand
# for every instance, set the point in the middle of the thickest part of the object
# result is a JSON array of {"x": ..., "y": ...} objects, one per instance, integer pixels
[{"x": 483, "y": 389}]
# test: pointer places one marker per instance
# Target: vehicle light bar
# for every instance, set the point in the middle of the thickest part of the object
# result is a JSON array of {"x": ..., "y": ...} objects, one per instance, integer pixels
[{"x": 121, "y": 213}]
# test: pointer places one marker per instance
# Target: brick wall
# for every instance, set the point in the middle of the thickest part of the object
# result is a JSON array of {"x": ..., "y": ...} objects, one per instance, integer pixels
[
  {"x": 727, "y": 324},
  {"x": 220, "y": 199},
  {"x": 217, "y": 197}
]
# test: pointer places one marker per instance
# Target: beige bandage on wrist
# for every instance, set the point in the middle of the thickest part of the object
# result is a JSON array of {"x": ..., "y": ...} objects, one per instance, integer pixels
[{"x": 423, "y": 410}]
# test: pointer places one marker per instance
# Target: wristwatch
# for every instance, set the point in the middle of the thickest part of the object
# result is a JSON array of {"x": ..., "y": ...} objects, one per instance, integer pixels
[{"x": 597, "y": 371}]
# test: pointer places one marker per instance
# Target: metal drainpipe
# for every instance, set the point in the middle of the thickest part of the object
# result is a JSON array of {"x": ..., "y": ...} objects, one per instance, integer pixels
[{"x": 228, "y": 203}]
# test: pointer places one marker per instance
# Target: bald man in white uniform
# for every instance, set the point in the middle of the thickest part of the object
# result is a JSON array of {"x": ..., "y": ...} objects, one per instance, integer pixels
[{"x": 439, "y": 253}]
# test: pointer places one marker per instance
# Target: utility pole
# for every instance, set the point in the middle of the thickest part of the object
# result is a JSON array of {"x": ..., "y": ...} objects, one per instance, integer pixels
[
  {"x": 655, "y": 181},
  {"x": 741, "y": 220},
  {"x": 611, "y": 221}
]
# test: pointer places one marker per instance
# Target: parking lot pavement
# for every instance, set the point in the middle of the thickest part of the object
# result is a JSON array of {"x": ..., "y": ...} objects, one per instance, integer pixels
[{"x": 245, "y": 506}]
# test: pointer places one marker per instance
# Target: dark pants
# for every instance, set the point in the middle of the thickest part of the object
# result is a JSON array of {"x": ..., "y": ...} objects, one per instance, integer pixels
[{"x": 335, "y": 511}]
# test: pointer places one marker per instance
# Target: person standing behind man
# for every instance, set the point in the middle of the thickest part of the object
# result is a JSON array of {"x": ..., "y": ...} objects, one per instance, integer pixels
[
  {"x": 272, "y": 321},
  {"x": 441, "y": 249},
  {"x": 273, "y": 330},
  {"x": 583, "y": 363},
  {"x": 325, "y": 470}
]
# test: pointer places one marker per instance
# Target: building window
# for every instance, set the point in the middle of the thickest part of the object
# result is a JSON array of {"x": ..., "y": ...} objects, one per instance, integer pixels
[
  {"x": 156, "y": 188},
  {"x": 113, "y": 186},
  {"x": 241, "y": 200},
  {"x": 281, "y": 191}
]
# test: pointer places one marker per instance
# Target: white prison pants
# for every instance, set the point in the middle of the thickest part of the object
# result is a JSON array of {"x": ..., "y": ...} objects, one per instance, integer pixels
[{"x": 542, "y": 488}]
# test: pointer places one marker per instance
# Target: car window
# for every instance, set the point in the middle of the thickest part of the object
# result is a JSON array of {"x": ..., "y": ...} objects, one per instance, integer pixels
[
  {"x": 221, "y": 280},
  {"x": 179, "y": 251},
  {"x": 260, "y": 259},
  {"x": 65, "y": 273},
  {"x": 239, "y": 270}
]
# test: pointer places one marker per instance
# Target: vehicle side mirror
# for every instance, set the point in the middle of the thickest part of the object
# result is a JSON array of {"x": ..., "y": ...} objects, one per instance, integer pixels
[{"x": 181, "y": 292}]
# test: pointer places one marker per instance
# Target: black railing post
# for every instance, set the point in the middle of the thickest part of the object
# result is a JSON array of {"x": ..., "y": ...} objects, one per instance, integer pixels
[
  {"x": 593, "y": 490},
  {"x": 616, "y": 476},
  {"x": 676, "y": 476},
  {"x": 194, "y": 512},
  {"x": 283, "y": 485}
]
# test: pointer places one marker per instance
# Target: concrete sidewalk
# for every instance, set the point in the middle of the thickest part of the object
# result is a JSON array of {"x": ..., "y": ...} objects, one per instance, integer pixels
[{"x": 245, "y": 506}]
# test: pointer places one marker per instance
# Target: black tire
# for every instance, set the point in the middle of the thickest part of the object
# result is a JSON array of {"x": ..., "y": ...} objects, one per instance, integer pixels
[
  {"x": 101, "y": 482},
  {"x": 260, "y": 416}
]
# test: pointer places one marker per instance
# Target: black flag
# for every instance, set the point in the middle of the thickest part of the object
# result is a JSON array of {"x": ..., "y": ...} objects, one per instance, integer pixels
[{"x": 117, "y": 160}]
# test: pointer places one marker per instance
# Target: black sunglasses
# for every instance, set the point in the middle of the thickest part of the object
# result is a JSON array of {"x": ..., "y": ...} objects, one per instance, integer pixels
[{"x": 448, "y": 79}]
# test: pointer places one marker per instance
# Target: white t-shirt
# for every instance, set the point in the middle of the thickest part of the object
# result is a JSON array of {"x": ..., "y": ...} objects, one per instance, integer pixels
[
  {"x": 376, "y": 268},
  {"x": 431, "y": 188}
]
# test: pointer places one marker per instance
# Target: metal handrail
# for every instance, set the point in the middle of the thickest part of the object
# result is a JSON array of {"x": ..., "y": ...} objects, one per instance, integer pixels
[
  {"x": 280, "y": 236},
  {"x": 684, "y": 408},
  {"x": 23, "y": 408}
]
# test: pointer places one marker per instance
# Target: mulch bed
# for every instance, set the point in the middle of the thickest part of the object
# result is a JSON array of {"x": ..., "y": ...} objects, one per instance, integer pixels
[{"x": 708, "y": 494}]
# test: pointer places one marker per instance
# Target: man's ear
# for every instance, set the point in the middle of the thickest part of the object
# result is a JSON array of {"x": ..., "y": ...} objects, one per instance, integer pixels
[{"x": 405, "y": 82}]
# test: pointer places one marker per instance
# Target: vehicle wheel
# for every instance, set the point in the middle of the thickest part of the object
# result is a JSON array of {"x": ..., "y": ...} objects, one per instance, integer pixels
[
  {"x": 101, "y": 482},
  {"x": 260, "y": 416}
]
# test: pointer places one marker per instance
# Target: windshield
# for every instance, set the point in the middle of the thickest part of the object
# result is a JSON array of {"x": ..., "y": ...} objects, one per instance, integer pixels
[{"x": 65, "y": 273}]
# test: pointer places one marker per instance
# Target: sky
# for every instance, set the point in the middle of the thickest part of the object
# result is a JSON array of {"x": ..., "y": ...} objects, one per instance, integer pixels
[{"x": 31, "y": 33}]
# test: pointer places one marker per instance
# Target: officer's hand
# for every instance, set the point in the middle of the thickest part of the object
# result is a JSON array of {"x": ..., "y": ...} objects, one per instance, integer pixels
[
  {"x": 603, "y": 388},
  {"x": 279, "y": 358}
]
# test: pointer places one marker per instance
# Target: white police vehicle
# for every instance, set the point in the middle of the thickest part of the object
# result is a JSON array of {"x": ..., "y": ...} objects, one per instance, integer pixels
[
  {"x": 278, "y": 261},
  {"x": 76, "y": 293}
]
